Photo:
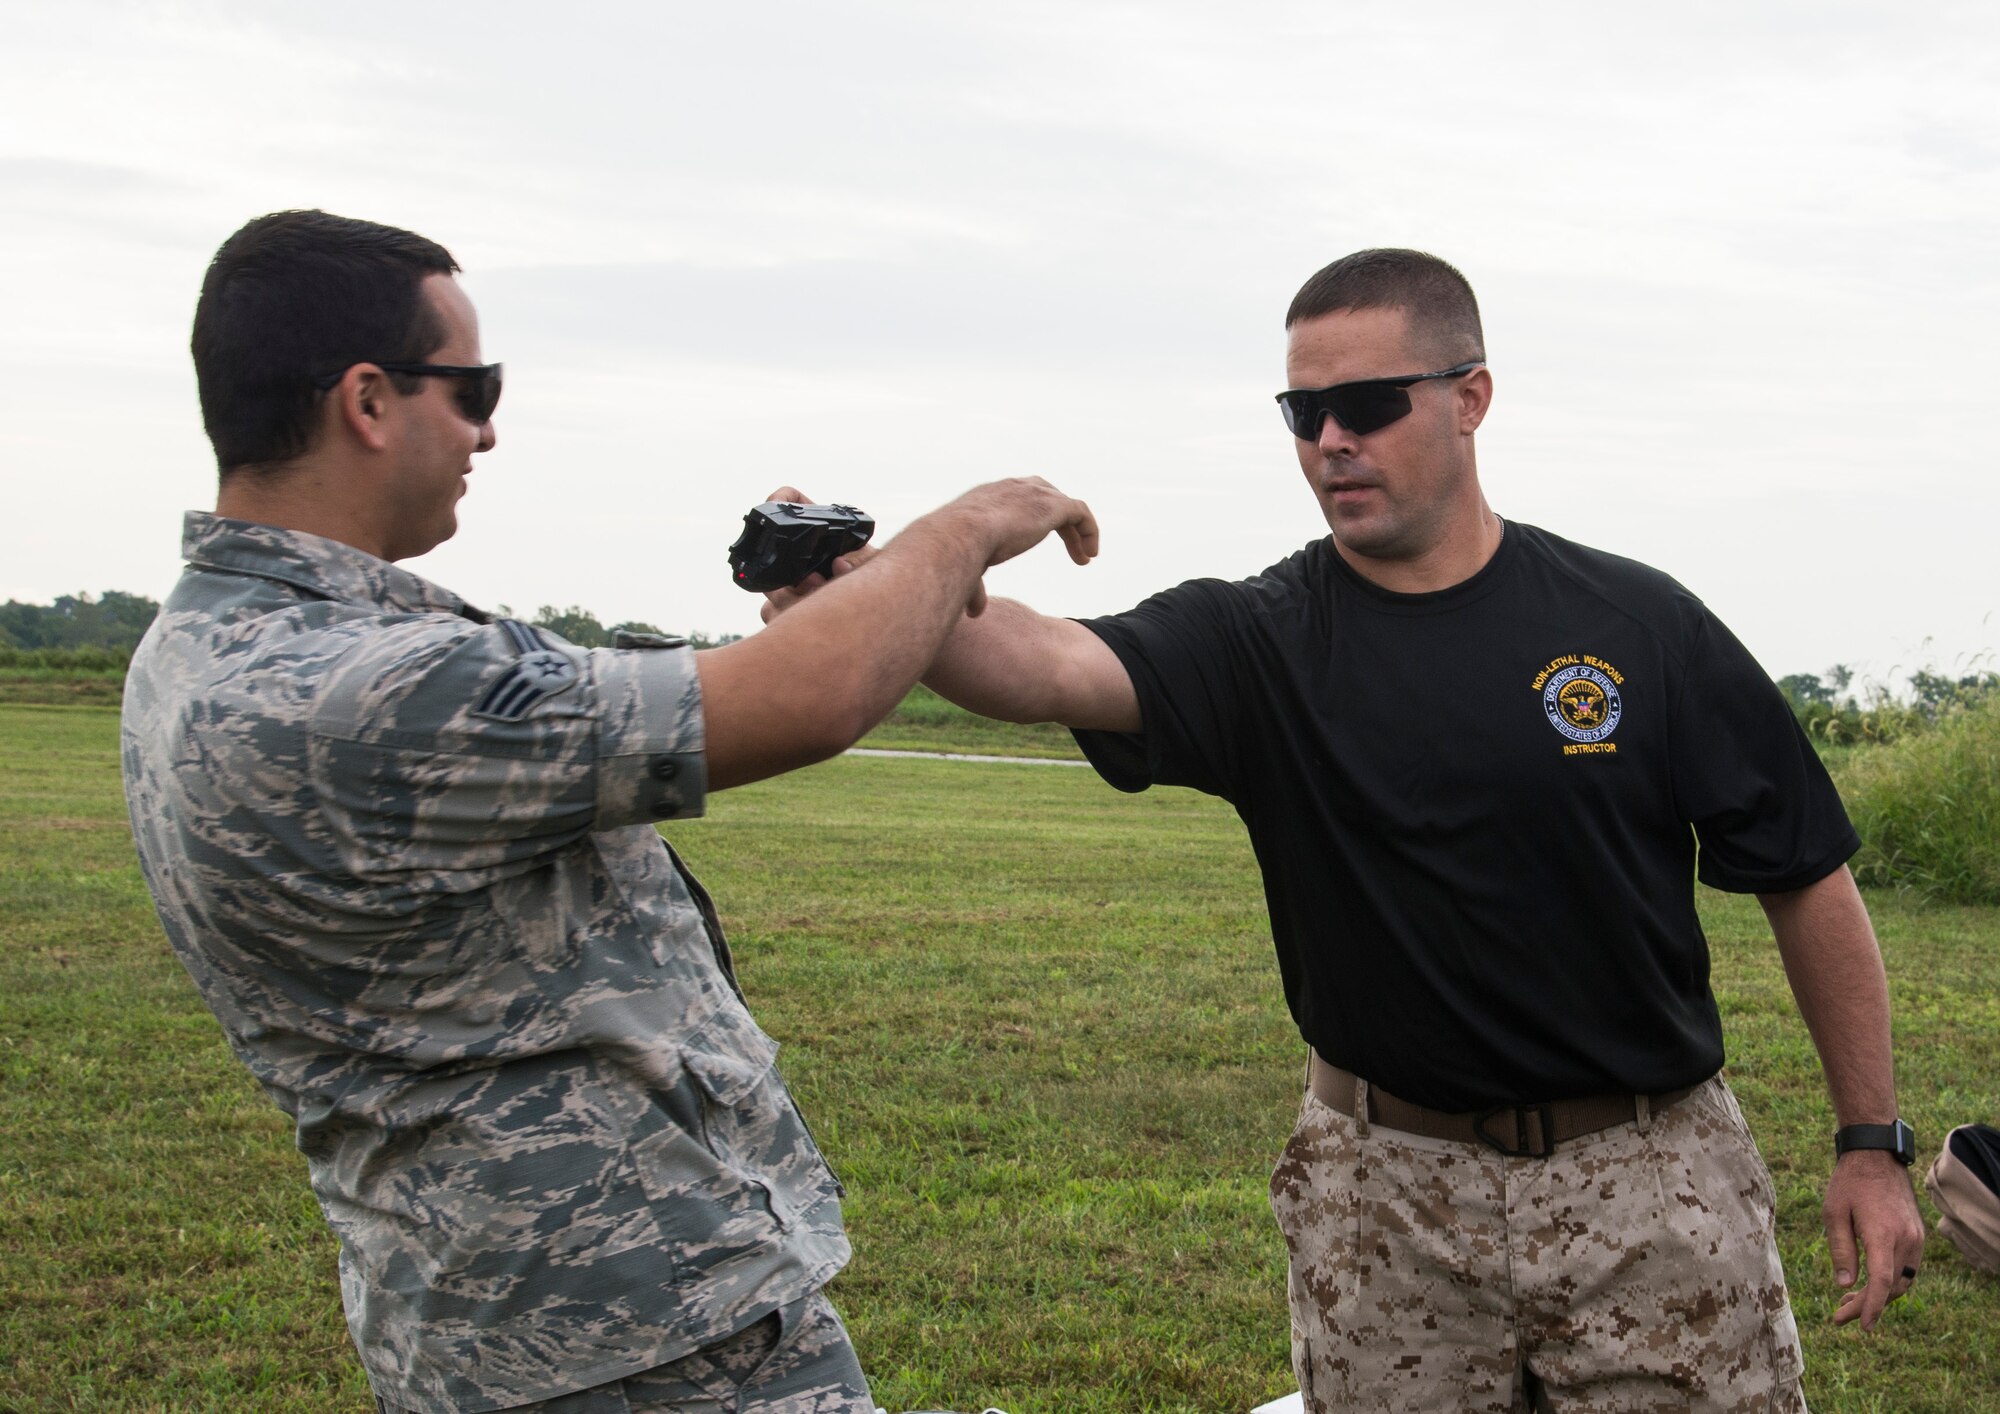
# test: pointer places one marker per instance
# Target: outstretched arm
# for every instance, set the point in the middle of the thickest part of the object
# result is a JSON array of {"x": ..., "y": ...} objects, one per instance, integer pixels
[
  {"x": 1835, "y": 968},
  {"x": 808, "y": 685},
  {"x": 1002, "y": 659},
  {"x": 1021, "y": 666}
]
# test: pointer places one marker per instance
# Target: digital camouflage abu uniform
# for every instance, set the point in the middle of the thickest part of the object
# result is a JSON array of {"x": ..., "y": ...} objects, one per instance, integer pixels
[{"x": 407, "y": 854}]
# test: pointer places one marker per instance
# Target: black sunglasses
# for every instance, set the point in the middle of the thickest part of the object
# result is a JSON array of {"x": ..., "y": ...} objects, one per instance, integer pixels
[
  {"x": 1361, "y": 407},
  {"x": 478, "y": 390}
]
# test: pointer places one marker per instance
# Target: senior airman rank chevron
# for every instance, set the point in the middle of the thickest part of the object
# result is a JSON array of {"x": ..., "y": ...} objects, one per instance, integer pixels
[{"x": 539, "y": 672}]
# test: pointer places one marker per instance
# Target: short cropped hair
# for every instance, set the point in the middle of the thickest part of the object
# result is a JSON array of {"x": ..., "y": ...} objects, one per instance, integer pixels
[
  {"x": 1443, "y": 315},
  {"x": 294, "y": 296}
]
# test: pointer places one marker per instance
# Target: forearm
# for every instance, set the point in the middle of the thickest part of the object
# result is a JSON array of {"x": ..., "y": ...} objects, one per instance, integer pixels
[
  {"x": 866, "y": 638},
  {"x": 1835, "y": 970},
  {"x": 1020, "y": 666},
  {"x": 812, "y": 682},
  {"x": 998, "y": 665},
  {"x": 884, "y": 617},
  {"x": 1836, "y": 973}
]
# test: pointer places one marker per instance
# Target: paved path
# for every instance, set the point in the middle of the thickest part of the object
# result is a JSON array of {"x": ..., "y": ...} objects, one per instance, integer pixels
[{"x": 961, "y": 756}]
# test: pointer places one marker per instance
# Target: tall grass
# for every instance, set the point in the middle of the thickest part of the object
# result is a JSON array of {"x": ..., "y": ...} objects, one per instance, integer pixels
[
  {"x": 92, "y": 660},
  {"x": 1881, "y": 723},
  {"x": 91, "y": 676},
  {"x": 1928, "y": 807}
]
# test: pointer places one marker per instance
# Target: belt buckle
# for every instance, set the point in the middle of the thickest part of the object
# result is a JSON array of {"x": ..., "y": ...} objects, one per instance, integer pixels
[{"x": 1522, "y": 1149}]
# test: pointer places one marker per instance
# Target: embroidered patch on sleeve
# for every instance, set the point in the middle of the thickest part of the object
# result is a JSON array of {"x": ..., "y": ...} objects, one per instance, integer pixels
[{"x": 540, "y": 672}]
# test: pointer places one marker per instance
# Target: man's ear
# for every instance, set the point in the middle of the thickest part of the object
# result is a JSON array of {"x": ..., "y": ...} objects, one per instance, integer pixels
[
  {"x": 1475, "y": 396},
  {"x": 358, "y": 405}
]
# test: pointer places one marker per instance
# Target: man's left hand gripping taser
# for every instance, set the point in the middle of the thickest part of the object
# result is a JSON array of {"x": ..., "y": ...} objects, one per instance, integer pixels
[{"x": 783, "y": 542}]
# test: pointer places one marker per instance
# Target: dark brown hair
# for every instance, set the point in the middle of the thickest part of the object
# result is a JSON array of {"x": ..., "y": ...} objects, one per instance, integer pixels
[
  {"x": 294, "y": 296},
  {"x": 1443, "y": 315}
]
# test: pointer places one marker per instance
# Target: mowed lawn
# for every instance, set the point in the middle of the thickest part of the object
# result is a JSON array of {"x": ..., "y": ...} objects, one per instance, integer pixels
[{"x": 1036, "y": 1025}]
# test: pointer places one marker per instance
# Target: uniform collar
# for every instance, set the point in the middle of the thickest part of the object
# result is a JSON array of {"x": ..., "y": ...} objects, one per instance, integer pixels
[{"x": 313, "y": 563}]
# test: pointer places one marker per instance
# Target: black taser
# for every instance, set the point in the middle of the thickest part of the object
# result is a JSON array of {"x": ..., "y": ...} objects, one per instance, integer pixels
[{"x": 783, "y": 542}]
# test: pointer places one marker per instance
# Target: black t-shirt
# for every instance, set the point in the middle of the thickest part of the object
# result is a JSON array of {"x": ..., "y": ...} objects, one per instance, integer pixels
[{"x": 1477, "y": 810}]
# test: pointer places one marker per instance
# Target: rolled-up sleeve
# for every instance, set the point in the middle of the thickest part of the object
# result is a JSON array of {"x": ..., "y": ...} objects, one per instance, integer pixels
[
  {"x": 650, "y": 762},
  {"x": 440, "y": 744}
]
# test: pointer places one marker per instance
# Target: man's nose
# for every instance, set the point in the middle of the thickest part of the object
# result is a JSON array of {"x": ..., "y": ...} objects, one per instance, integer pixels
[
  {"x": 487, "y": 436},
  {"x": 1335, "y": 440}
]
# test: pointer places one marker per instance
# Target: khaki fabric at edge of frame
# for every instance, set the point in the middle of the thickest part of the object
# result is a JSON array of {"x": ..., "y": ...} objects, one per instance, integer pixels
[{"x": 1964, "y": 1183}]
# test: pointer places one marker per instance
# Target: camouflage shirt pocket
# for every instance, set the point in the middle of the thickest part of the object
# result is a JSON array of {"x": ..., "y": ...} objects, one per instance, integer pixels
[{"x": 748, "y": 1120}]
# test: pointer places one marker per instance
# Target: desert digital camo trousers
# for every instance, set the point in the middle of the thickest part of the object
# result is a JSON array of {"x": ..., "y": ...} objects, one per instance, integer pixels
[
  {"x": 1633, "y": 1269},
  {"x": 797, "y": 1360}
]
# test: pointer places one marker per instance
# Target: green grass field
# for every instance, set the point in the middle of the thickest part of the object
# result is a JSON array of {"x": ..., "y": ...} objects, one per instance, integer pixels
[{"x": 1036, "y": 1025}]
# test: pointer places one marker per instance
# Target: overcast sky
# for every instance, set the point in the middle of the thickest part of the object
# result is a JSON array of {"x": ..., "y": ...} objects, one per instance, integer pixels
[{"x": 1737, "y": 264}]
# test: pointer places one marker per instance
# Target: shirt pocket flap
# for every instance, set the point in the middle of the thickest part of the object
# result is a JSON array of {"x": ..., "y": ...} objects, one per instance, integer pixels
[{"x": 730, "y": 1057}]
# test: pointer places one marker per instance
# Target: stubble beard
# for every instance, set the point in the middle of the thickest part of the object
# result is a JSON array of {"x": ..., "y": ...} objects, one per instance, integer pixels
[{"x": 1392, "y": 531}]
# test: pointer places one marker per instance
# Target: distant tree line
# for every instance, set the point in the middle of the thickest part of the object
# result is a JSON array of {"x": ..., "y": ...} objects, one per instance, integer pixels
[
  {"x": 98, "y": 634},
  {"x": 115, "y": 620},
  {"x": 582, "y": 627}
]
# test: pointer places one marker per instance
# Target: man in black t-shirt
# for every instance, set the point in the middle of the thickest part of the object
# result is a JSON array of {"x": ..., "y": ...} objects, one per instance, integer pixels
[{"x": 1481, "y": 767}]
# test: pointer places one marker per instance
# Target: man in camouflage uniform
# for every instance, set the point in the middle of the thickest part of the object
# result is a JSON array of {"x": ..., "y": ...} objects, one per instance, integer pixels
[
  {"x": 1475, "y": 761},
  {"x": 407, "y": 852}
]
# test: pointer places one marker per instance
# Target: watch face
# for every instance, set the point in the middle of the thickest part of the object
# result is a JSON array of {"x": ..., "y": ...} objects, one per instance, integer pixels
[{"x": 1906, "y": 1143}]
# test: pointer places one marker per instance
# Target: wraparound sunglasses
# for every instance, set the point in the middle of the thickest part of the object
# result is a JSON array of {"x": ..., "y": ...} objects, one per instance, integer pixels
[
  {"x": 477, "y": 390},
  {"x": 1361, "y": 407}
]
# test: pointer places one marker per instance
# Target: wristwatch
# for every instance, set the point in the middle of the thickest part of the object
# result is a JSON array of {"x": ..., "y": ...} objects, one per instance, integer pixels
[{"x": 1898, "y": 1138}]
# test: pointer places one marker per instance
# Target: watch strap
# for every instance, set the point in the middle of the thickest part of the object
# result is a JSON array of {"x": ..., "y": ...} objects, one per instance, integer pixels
[{"x": 1898, "y": 1138}]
